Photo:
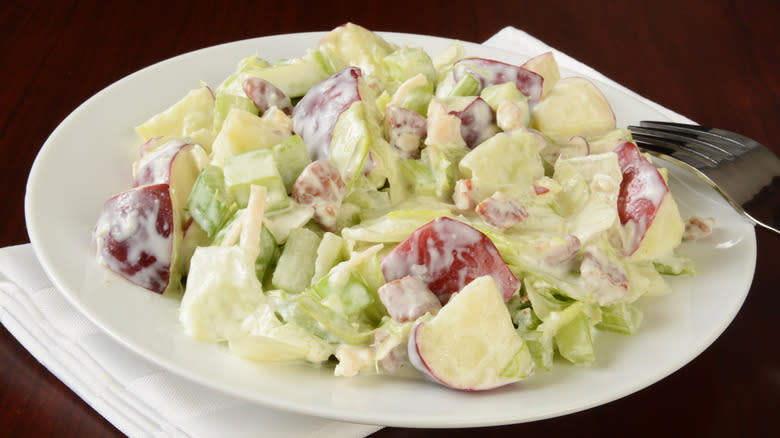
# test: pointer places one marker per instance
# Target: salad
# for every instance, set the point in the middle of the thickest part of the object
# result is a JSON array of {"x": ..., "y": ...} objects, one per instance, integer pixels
[{"x": 374, "y": 208}]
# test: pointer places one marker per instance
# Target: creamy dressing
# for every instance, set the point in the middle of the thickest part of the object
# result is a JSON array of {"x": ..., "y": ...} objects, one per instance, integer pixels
[
  {"x": 134, "y": 236},
  {"x": 568, "y": 254},
  {"x": 315, "y": 116},
  {"x": 154, "y": 167},
  {"x": 490, "y": 72},
  {"x": 477, "y": 122}
]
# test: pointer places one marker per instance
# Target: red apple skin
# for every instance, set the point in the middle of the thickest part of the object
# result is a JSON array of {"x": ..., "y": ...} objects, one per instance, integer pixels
[
  {"x": 641, "y": 191},
  {"x": 447, "y": 255},
  {"x": 155, "y": 165},
  {"x": 477, "y": 122},
  {"x": 316, "y": 114},
  {"x": 528, "y": 82},
  {"x": 417, "y": 359},
  {"x": 416, "y": 356},
  {"x": 135, "y": 234},
  {"x": 265, "y": 95}
]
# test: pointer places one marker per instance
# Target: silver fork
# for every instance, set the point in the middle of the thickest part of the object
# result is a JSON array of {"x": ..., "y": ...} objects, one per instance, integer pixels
[{"x": 746, "y": 173}]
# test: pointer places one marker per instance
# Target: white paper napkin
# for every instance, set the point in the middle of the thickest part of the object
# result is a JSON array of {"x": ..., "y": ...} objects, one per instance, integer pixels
[{"x": 138, "y": 397}]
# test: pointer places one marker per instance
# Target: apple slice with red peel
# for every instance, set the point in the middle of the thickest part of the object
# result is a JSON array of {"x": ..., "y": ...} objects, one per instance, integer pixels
[
  {"x": 316, "y": 114},
  {"x": 546, "y": 66},
  {"x": 265, "y": 95},
  {"x": 477, "y": 121},
  {"x": 490, "y": 72},
  {"x": 176, "y": 163},
  {"x": 137, "y": 236},
  {"x": 643, "y": 201},
  {"x": 446, "y": 255},
  {"x": 471, "y": 344}
]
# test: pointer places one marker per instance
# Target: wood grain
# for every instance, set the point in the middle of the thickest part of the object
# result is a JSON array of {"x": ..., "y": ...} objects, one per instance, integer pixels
[{"x": 715, "y": 62}]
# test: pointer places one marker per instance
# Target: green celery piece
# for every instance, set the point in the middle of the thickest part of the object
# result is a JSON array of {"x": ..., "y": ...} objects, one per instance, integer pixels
[
  {"x": 574, "y": 341},
  {"x": 281, "y": 222},
  {"x": 268, "y": 246},
  {"x": 256, "y": 167},
  {"x": 295, "y": 268},
  {"x": 291, "y": 157},
  {"x": 350, "y": 288},
  {"x": 466, "y": 86},
  {"x": 210, "y": 203},
  {"x": 416, "y": 98},
  {"x": 330, "y": 252},
  {"x": 268, "y": 253},
  {"x": 622, "y": 318},
  {"x": 495, "y": 94},
  {"x": 225, "y": 102}
]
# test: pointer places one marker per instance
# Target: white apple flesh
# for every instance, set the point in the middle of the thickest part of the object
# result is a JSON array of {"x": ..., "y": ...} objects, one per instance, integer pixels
[
  {"x": 176, "y": 163},
  {"x": 315, "y": 115},
  {"x": 574, "y": 107},
  {"x": 650, "y": 221},
  {"x": 545, "y": 66},
  {"x": 471, "y": 344},
  {"x": 490, "y": 72}
]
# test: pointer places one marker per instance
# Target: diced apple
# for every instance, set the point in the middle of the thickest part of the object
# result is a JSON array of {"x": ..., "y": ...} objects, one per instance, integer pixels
[
  {"x": 447, "y": 255},
  {"x": 243, "y": 132},
  {"x": 137, "y": 236},
  {"x": 265, "y": 95},
  {"x": 176, "y": 163},
  {"x": 546, "y": 66},
  {"x": 191, "y": 117},
  {"x": 490, "y": 72},
  {"x": 575, "y": 106},
  {"x": 315, "y": 116},
  {"x": 477, "y": 121},
  {"x": 643, "y": 202},
  {"x": 471, "y": 344}
]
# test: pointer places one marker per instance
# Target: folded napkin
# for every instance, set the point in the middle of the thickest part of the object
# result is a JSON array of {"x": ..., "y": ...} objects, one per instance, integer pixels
[
  {"x": 140, "y": 398},
  {"x": 136, "y": 396}
]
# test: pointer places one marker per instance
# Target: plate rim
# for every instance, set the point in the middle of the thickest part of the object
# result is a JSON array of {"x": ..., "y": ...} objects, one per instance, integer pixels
[{"x": 47, "y": 264}]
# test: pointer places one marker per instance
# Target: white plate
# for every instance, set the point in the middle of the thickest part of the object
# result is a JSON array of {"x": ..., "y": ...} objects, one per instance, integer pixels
[{"x": 87, "y": 159}]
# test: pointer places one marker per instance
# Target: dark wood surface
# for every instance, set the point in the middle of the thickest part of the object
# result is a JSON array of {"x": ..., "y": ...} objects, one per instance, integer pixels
[{"x": 715, "y": 62}]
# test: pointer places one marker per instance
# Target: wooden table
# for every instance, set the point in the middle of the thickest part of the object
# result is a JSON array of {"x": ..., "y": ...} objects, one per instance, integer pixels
[{"x": 715, "y": 62}]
